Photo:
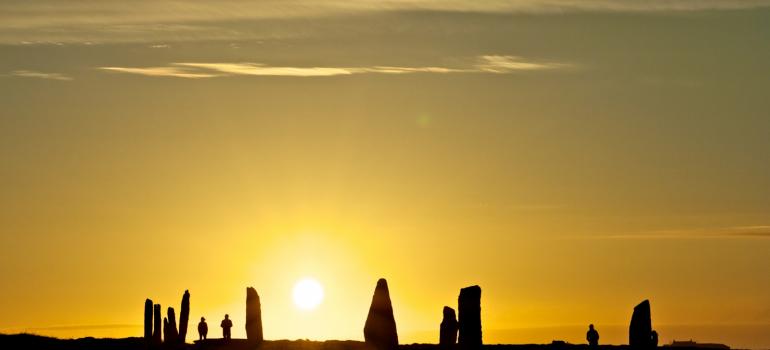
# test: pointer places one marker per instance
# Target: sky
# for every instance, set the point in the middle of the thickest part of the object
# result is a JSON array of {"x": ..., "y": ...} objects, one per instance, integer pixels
[{"x": 572, "y": 158}]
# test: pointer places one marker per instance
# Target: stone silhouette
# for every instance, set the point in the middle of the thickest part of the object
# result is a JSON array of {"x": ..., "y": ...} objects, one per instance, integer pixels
[
  {"x": 654, "y": 339},
  {"x": 172, "y": 335},
  {"x": 148, "y": 320},
  {"x": 203, "y": 329},
  {"x": 640, "y": 330},
  {"x": 166, "y": 335},
  {"x": 226, "y": 325},
  {"x": 448, "y": 331},
  {"x": 592, "y": 336},
  {"x": 380, "y": 328},
  {"x": 253, "y": 316},
  {"x": 184, "y": 316},
  {"x": 469, "y": 318},
  {"x": 157, "y": 323}
]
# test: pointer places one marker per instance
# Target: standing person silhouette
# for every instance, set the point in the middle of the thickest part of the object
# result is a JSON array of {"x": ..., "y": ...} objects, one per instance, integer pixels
[
  {"x": 592, "y": 336},
  {"x": 203, "y": 329},
  {"x": 226, "y": 325}
]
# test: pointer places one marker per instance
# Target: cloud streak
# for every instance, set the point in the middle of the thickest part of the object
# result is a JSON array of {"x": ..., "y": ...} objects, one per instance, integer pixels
[
  {"x": 170, "y": 71},
  {"x": 734, "y": 232},
  {"x": 493, "y": 64},
  {"x": 145, "y": 20},
  {"x": 40, "y": 75},
  {"x": 506, "y": 64},
  {"x": 46, "y": 13}
]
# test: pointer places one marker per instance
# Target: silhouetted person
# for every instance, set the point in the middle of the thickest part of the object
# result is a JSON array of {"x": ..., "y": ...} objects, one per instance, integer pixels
[
  {"x": 592, "y": 336},
  {"x": 654, "y": 339},
  {"x": 226, "y": 325},
  {"x": 203, "y": 329}
]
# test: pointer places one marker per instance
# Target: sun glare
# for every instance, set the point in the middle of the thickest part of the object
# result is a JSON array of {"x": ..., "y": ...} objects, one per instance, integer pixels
[{"x": 308, "y": 294}]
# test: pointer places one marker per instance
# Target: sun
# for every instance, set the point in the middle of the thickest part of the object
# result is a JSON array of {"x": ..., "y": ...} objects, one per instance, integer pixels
[{"x": 308, "y": 294}]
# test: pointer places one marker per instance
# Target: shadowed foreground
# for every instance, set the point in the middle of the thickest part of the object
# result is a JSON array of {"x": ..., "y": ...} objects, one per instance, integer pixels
[{"x": 34, "y": 342}]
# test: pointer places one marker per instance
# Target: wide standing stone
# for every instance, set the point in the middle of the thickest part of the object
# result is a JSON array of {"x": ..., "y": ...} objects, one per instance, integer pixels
[
  {"x": 448, "y": 331},
  {"x": 380, "y": 328},
  {"x": 469, "y": 318},
  {"x": 640, "y": 330},
  {"x": 148, "y": 320},
  {"x": 253, "y": 316},
  {"x": 184, "y": 316}
]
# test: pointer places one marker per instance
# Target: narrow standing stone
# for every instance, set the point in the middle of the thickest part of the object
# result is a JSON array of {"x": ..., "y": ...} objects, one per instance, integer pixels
[
  {"x": 166, "y": 335},
  {"x": 253, "y": 316},
  {"x": 173, "y": 335},
  {"x": 469, "y": 318},
  {"x": 157, "y": 324},
  {"x": 148, "y": 320},
  {"x": 184, "y": 316},
  {"x": 448, "y": 330}
]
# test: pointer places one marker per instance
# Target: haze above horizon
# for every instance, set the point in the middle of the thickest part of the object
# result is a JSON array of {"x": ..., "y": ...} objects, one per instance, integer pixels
[{"x": 571, "y": 157}]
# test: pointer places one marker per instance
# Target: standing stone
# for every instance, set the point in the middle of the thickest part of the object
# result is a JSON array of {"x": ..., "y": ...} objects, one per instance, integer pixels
[
  {"x": 380, "y": 328},
  {"x": 157, "y": 323},
  {"x": 469, "y": 318},
  {"x": 148, "y": 320},
  {"x": 448, "y": 331},
  {"x": 173, "y": 335},
  {"x": 640, "y": 330},
  {"x": 184, "y": 316},
  {"x": 253, "y": 316},
  {"x": 166, "y": 335}
]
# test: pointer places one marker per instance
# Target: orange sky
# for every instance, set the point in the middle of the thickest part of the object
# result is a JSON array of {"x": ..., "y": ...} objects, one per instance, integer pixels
[{"x": 571, "y": 158}]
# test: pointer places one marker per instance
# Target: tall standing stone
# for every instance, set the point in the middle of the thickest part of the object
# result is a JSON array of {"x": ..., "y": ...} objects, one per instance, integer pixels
[
  {"x": 448, "y": 330},
  {"x": 640, "y": 330},
  {"x": 253, "y": 316},
  {"x": 148, "y": 320},
  {"x": 172, "y": 334},
  {"x": 184, "y": 316},
  {"x": 157, "y": 323},
  {"x": 380, "y": 328},
  {"x": 469, "y": 318}
]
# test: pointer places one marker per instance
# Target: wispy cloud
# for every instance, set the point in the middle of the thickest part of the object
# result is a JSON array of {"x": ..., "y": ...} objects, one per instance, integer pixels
[
  {"x": 404, "y": 70},
  {"x": 496, "y": 64},
  {"x": 160, "y": 72},
  {"x": 221, "y": 69},
  {"x": 507, "y": 64},
  {"x": 755, "y": 231},
  {"x": 145, "y": 20},
  {"x": 40, "y": 75},
  {"x": 264, "y": 70},
  {"x": 750, "y": 231},
  {"x": 46, "y": 13}
]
